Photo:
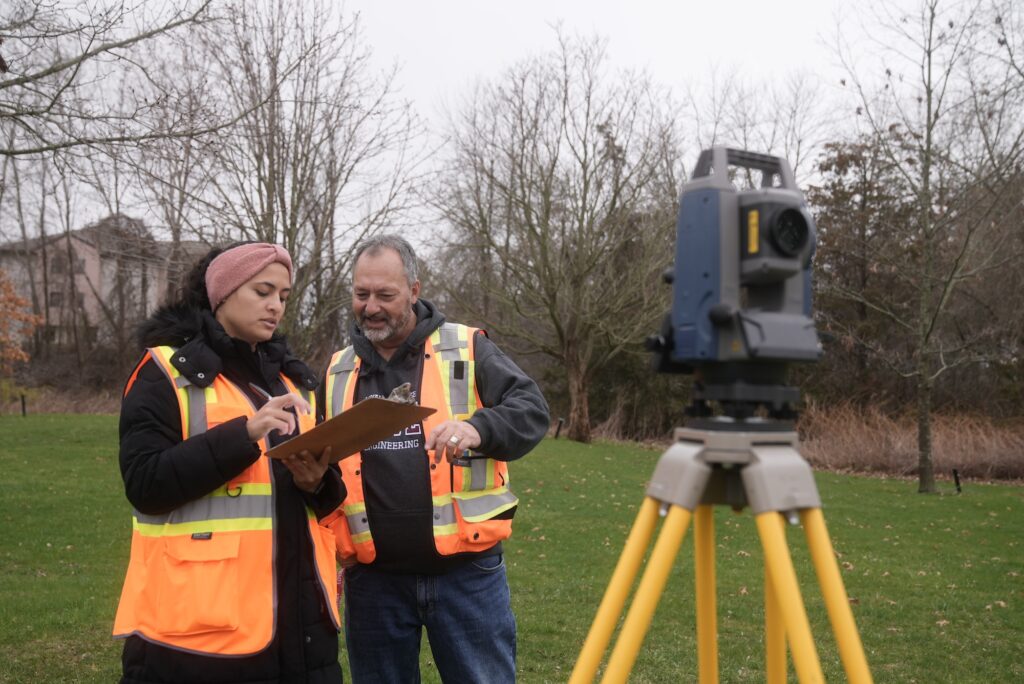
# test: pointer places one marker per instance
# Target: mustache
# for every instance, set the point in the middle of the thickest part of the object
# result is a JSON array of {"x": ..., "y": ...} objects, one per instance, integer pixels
[{"x": 375, "y": 317}]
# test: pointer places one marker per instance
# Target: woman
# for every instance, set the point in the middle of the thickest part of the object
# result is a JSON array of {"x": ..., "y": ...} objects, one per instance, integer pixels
[{"x": 231, "y": 578}]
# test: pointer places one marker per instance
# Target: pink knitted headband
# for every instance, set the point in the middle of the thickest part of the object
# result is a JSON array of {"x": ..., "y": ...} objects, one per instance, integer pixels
[{"x": 231, "y": 269}]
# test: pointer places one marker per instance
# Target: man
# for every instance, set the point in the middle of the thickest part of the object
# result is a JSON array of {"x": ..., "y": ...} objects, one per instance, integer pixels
[{"x": 428, "y": 508}]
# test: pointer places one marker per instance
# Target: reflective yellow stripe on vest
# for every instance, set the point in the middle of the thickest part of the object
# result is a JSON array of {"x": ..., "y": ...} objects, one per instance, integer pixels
[
  {"x": 448, "y": 383},
  {"x": 338, "y": 377},
  {"x": 172, "y": 603},
  {"x": 211, "y": 514},
  {"x": 358, "y": 525},
  {"x": 191, "y": 399},
  {"x": 451, "y": 343},
  {"x": 246, "y": 508},
  {"x": 458, "y": 379}
]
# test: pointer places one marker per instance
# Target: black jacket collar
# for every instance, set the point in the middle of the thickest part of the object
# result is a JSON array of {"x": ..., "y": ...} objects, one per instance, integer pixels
[{"x": 202, "y": 344}]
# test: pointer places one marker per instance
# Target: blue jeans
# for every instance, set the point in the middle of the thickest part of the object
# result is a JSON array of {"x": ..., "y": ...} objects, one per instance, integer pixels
[{"x": 467, "y": 613}]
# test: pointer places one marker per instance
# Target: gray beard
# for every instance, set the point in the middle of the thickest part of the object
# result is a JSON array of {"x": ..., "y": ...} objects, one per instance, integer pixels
[
  {"x": 379, "y": 335},
  {"x": 388, "y": 331}
]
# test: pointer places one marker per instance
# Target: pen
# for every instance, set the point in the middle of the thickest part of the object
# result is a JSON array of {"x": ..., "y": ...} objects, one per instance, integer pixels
[
  {"x": 260, "y": 391},
  {"x": 268, "y": 396},
  {"x": 467, "y": 458}
]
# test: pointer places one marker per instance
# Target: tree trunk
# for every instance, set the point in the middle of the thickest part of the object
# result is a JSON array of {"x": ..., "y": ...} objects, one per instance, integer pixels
[
  {"x": 579, "y": 403},
  {"x": 925, "y": 468}
]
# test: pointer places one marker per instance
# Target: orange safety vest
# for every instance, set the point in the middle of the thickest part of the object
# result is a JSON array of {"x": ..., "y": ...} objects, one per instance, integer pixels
[
  {"x": 466, "y": 499},
  {"x": 201, "y": 578}
]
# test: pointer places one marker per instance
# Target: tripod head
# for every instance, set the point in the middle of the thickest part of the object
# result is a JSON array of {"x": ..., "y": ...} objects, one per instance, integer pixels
[
  {"x": 741, "y": 288},
  {"x": 749, "y": 396}
]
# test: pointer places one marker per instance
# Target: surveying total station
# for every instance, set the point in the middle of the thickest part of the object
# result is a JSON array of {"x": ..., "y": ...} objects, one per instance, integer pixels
[{"x": 741, "y": 313}]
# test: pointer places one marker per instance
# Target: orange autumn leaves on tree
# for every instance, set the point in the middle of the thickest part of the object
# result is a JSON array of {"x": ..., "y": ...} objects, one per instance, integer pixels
[{"x": 16, "y": 323}]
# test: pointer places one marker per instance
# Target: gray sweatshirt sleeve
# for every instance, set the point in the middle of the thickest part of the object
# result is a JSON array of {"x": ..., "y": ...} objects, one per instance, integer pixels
[{"x": 515, "y": 415}]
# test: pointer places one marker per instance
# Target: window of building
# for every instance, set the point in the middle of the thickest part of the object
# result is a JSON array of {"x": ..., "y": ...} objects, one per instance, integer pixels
[{"x": 55, "y": 299}]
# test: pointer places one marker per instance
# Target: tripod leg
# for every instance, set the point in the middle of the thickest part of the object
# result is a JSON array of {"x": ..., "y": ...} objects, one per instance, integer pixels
[
  {"x": 774, "y": 634},
  {"x": 787, "y": 591},
  {"x": 707, "y": 605},
  {"x": 610, "y": 610},
  {"x": 652, "y": 584},
  {"x": 851, "y": 651}
]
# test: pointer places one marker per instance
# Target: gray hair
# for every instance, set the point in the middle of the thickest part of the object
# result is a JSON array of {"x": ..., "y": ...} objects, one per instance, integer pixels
[{"x": 375, "y": 244}]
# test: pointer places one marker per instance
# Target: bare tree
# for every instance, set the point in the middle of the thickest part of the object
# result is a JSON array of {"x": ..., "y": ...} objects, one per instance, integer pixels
[
  {"x": 323, "y": 158},
  {"x": 954, "y": 139},
  {"x": 59, "y": 56},
  {"x": 786, "y": 117},
  {"x": 130, "y": 261},
  {"x": 560, "y": 193},
  {"x": 312, "y": 150},
  {"x": 1005, "y": 39}
]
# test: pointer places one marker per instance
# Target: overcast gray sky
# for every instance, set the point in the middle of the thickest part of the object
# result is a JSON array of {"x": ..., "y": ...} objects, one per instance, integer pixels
[{"x": 443, "y": 46}]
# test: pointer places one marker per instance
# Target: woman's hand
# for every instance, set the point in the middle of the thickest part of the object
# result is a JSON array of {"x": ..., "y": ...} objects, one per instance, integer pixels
[
  {"x": 274, "y": 415},
  {"x": 307, "y": 470}
]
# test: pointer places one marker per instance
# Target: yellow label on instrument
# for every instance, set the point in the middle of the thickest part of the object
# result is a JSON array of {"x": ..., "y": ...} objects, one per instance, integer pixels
[{"x": 753, "y": 231}]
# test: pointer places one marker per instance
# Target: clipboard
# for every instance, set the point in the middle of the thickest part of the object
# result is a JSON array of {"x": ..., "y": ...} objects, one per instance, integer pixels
[{"x": 351, "y": 431}]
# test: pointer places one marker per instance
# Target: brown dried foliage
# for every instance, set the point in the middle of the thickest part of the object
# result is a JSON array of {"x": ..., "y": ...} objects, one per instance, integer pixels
[
  {"x": 16, "y": 323},
  {"x": 50, "y": 400},
  {"x": 849, "y": 438},
  {"x": 846, "y": 438},
  {"x": 841, "y": 438}
]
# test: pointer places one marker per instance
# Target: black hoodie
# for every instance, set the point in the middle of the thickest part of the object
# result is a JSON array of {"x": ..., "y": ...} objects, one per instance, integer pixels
[
  {"x": 396, "y": 479},
  {"x": 161, "y": 472}
]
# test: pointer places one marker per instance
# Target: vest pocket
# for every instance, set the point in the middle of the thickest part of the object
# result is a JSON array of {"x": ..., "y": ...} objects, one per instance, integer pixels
[
  {"x": 197, "y": 585},
  {"x": 338, "y": 525},
  {"x": 481, "y": 535}
]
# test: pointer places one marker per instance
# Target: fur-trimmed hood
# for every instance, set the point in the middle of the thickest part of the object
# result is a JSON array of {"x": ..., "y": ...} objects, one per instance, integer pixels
[
  {"x": 202, "y": 343},
  {"x": 171, "y": 324}
]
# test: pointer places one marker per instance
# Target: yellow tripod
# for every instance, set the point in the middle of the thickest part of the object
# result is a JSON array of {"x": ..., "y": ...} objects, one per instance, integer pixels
[{"x": 701, "y": 469}]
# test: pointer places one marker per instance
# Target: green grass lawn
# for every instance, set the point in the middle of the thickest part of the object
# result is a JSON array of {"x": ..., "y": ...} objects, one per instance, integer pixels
[{"x": 936, "y": 582}]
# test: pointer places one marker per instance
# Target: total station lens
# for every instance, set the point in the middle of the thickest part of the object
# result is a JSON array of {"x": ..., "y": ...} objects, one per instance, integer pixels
[{"x": 789, "y": 232}]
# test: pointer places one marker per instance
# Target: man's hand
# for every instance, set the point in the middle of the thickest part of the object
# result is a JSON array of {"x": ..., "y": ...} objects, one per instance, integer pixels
[
  {"x": 451, "y": 438},
  {"x": 307, "y": 469},
  {"x": 274, "y": 415}
]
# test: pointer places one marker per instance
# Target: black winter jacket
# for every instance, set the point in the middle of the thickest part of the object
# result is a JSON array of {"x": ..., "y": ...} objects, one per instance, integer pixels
[{"x": 161, "y": 472}]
